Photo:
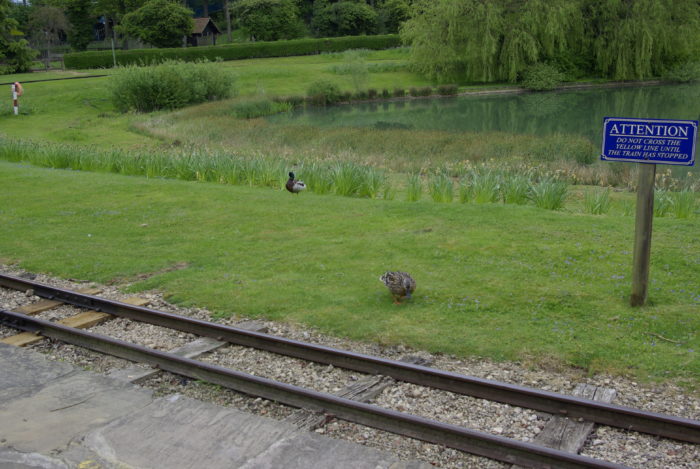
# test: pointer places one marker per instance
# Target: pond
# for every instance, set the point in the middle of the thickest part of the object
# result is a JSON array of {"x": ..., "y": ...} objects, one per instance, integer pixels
[{"x": 578, "y": 112}]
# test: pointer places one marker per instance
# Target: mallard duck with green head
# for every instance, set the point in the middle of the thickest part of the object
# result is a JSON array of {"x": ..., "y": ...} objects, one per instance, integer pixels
[
  {"x": 400, "y": 284},
  {"x": 294, "y": 185}
]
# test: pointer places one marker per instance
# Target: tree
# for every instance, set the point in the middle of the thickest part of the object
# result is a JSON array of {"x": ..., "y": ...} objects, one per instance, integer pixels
[
  {"x": 160, "y": 23},
  {"x": 269, "y": 20},
  {"x": 392, "y": 13},
  {"x": 114, "y": 11},
  {"x": 15, "y": 53},
  {"x": 635, "y": 40},
  {"x": 344, "y": 18},
  {"x": 82, "y": 20},
  {"x": 488, "y": 40},
  {"x": 48, "y": 24},
  {"x": 455, "y": 40}
]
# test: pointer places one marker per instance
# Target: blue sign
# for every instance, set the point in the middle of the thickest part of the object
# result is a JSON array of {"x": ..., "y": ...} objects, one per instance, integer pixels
[{"x": 649, "y": 141}]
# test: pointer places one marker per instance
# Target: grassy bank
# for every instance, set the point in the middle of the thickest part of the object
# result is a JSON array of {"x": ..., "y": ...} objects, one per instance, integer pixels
[{"x": 503, "y": 281}]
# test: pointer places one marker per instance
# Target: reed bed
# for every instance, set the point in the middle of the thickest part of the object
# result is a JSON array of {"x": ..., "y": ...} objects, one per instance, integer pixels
[
  {"x": 342, "y": 178},
  {"x": 481, "y": 183},
  {"x": 597, "y": 202}
]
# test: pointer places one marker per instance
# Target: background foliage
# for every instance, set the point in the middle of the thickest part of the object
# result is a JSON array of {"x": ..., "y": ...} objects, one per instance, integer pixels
[
  {"x": 497, "y": 40},
  {"x": 160, "y": 23}
]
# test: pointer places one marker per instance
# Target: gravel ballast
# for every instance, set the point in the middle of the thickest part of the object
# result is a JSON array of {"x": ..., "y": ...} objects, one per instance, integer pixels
[{"x": 629, "y": 448}]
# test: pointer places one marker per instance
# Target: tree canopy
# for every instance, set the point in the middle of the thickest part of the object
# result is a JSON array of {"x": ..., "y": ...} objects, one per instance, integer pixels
[
  {"x": 15, "y": 54},
  {"x": 270, "y": 20},
  {"x": 161, "y": 23},
  {"x": 497, "y": 40}
]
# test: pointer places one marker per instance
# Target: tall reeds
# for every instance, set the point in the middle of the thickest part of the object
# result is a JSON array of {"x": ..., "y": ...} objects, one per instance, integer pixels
[{"x": 597, "y": 202}]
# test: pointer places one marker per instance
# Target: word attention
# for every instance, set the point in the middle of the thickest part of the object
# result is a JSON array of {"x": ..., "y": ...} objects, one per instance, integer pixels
[{"x": 649, "y": 141}]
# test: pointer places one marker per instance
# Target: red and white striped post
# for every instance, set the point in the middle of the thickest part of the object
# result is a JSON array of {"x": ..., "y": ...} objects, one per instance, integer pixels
[{"x": 16, "y": 93}]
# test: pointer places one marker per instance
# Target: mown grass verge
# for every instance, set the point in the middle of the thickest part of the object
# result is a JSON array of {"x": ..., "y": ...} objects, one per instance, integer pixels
[{"x": 502, "y": 281}]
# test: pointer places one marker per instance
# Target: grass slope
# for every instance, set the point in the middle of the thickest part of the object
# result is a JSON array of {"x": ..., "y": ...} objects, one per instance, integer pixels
[
  {"x": 508, "y": 282},
  {"x": 81, "y": 111}
]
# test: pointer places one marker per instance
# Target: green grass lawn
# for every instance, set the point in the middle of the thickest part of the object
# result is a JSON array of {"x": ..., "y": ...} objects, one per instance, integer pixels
[
  {"x": 501, "y": 281},
  {"x": 80, "y": 111}
]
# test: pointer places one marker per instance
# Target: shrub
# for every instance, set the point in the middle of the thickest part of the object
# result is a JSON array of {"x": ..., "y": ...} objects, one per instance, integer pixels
[
  {"x": 447, "y": 90},
  {"x": 169, "y": 86},
  {"x": 425, "y": 91},
  {"x": 323, "y": 92},
  {"x": 360, "y": 95},
  {"x": 372, "y": 93},
  {"x": 542, "y": 77},
  {"x": 238, "y": 51},
  {"x": 413, "y": 91},
  {"x": 259, "y": 107},
  {"x": 399, "y": 92},
  {"x": 597, "y": 202},
  {"x": 18, "y": 57},
  {"x": 386, "y": 93}
]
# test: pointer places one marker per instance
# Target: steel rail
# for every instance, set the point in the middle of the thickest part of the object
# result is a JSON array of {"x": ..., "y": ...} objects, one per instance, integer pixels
[
  {"x": 559, "y": 404},
  {"x": 483, "y": 444}
]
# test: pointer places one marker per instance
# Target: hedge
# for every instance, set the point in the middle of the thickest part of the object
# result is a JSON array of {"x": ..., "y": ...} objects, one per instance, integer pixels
[{"x": 248, "y": 50}]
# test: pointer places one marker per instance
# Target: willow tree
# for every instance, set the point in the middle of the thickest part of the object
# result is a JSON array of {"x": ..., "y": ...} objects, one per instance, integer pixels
[
  {"x": 643, "y": 38},
  {"x": 487, "y": 40},
  {"x": 455, "y": 40},
  {"x": 538, "y": 31}
]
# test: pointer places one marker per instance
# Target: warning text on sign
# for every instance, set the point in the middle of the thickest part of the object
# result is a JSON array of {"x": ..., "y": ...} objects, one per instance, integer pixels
[{"x": 649, "y": 141}]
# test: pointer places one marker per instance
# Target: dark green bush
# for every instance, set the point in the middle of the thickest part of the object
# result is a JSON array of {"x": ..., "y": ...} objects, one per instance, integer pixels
[
  {"x": 346, "y": 96},
  {"x": 447, "y": 90},
  {"x": 372, "y": 93},
  {"x": 344, "y": 18},
  {"x": 247, "y": 50},
  {"x": 360, "y": 95},
  {"x": 169, "y": 86},
  {"x": 386, "y": 93},
  {"x": 323, "y": 92},
  {"x": 269, "y": 20},
  {"x": 425, "y": 91},
  {"x": 413, "y": 91},
  {"x": 399, "y": 92},
  {"x": 542, "y": 77}
]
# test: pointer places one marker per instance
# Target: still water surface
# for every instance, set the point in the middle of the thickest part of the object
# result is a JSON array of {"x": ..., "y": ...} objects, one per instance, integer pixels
[{"x": 578, "y": 112}]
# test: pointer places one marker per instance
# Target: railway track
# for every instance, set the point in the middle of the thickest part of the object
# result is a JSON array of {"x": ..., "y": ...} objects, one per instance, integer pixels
[{"x": 495, "y": 447}]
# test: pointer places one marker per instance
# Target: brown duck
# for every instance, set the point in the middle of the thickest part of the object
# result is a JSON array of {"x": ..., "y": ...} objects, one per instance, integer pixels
[
  {"x": 400, "y": 284},
  {"x": 294, "y": 186}
]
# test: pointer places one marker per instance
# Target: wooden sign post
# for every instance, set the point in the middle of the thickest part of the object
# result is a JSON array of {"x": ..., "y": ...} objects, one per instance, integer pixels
[
  {"x": 647, "y": 142},
  {"x": 642, "y": 233}
]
